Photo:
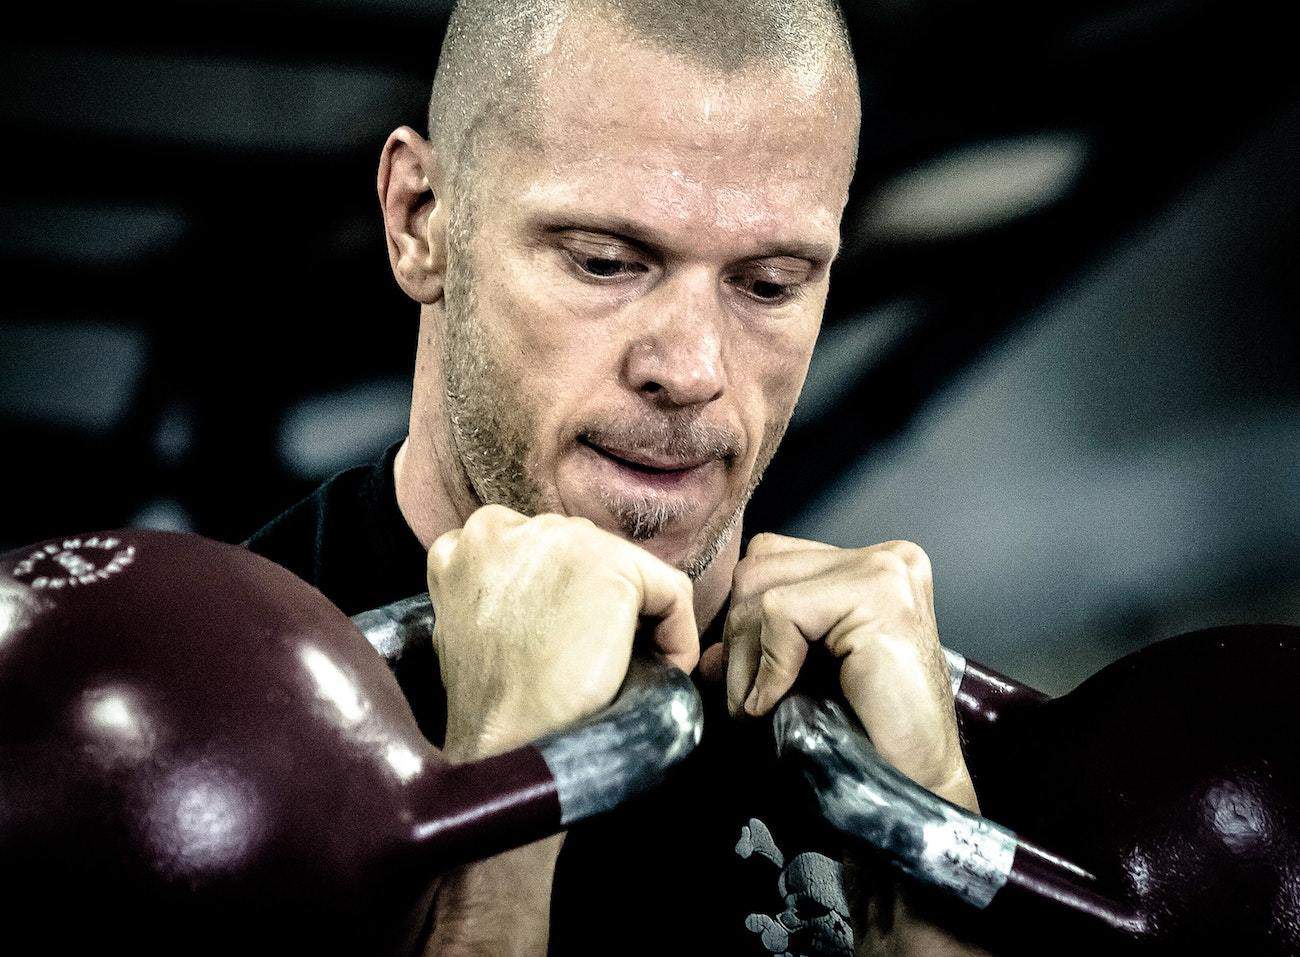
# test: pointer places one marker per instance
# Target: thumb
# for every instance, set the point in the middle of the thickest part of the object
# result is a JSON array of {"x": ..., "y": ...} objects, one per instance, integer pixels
[{"x": 713, "y": 663}]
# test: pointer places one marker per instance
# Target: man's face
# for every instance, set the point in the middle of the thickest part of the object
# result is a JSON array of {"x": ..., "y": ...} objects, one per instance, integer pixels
[{"x": 632, "y": 304}]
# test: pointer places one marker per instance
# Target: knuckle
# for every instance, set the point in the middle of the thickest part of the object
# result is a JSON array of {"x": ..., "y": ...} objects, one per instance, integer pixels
[
  {"x": 441, "y": 550},
  {"x": 913, "y": 557},
  {"x": 742, "y": 580},
  {"x": 477, "y": 520},
  {"x": 763, "y": 543},
  {"x": 772, "y": 603},
  {"x": 736, "y": 629},
  {"x": 554, "y": 533},
  {"x": 485, "y": 518},
  {"x": 549, "y": 521},
  {"x": 673, "y": 578},
  {"x": 682, "y": 581},
  {"x": 888, "y": 562},
  {"x": 623, "y": 592}
]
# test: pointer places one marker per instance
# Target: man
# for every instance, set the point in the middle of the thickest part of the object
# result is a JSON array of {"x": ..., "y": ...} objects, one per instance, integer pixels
[{"x": 619, "y": 233}]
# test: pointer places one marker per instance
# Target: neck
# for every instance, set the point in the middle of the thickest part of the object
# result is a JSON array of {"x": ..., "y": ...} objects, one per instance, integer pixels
[
  {"x": 430, "y": 503},
  {"x": 713, "y": 587}
]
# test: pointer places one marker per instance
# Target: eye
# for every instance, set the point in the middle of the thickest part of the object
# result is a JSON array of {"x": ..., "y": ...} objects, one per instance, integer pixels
[
  {"x": 774, "y": 281},
  {"x": 605, "y": 267},
  {"x": 770, "y": 291},
  {"x": 765, "y": 290},
  {"x": 600, "y": 261}
]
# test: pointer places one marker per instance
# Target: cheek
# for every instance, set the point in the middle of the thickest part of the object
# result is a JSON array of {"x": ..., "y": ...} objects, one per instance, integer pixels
[
  {"x": 776, "y": 364},
  {"x": 559, "y": 360},
  {"x": 531, "y": 306}
]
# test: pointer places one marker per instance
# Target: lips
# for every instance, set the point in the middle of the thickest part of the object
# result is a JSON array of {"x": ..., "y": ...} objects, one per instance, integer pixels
[{"x": 647, "y": 461}]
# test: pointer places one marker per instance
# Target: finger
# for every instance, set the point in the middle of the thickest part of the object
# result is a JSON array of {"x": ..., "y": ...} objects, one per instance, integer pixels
[
  {"x": 667, "y": 595},
  {"x": 498, "y": 516},
  {"x": 741, "y": 641},
  {"x": 815, "y": 601},
  {"x": 915, "y": 561},
  {"x": 782, "y": 651},
  {"x": 713, "y": 663},
  {"x": 783, "y": 563},
  {"x": 760, "y": 573},
  {"x": 768, "y": 543},
  {"x": 439, "y": 557},
  {"x": 442, "y": 547},
  {"x": 435, "y": 570}
]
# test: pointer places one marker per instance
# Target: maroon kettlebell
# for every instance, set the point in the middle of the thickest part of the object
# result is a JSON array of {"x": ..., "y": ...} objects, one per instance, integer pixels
[
  {"x": 200, "y": 754},
  {"x": 1155, "y": 809}
]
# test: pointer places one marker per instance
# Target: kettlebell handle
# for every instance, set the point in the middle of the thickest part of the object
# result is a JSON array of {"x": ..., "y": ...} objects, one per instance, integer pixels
[
  {"x": 942, "y": 846},
  {"x": 654, "y": 721}
]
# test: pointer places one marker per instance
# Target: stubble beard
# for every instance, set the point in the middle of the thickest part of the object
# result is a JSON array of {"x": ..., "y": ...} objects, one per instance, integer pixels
[{"x": 491, "y": 426}]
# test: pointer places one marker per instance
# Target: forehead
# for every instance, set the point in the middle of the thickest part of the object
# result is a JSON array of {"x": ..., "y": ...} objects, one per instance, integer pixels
[{"x": 622, "y": 128}]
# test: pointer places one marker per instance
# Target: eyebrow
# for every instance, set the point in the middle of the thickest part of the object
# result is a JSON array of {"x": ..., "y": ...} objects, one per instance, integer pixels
[{"x": 648, "y": 239}]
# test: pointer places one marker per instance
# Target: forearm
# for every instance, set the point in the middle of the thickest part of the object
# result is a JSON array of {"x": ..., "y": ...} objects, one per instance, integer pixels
[
  {"x": 498, "y": 906},
  {"x": 501, "y": 905},
  {"x": 886, "y": 923}
]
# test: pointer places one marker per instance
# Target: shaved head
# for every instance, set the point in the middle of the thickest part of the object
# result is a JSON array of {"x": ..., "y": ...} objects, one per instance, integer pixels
[
  {"x": 620, "y": 232},
  {"x": 488, "y": 68}
]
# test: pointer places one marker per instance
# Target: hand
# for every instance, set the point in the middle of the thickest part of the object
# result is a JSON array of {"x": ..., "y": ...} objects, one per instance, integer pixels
[
  {"x": 874, "y": 609},
  {"x": 534, "y": 621}
]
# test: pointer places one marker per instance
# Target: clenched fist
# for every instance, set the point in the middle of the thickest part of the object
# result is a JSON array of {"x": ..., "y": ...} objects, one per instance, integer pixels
[
  {"x": 534, "y": 621},
  {"x": 873, "y": 608}
]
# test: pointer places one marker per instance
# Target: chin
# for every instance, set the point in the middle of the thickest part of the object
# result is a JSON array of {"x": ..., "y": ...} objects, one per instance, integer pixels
[{"x": 695, "y": 554}]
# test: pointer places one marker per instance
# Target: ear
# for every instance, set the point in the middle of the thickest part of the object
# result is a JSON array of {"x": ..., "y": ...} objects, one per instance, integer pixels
[{"x": 412, "y": 198}]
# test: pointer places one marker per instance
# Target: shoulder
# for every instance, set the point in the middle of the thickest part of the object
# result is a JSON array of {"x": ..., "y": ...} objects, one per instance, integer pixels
[
  {"x": 295, "y": 538},
  {"x": 348, "y": 538}
]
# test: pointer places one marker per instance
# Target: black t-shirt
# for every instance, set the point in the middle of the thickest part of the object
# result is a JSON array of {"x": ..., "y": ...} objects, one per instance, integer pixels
[{"x": 695, "y": 866}]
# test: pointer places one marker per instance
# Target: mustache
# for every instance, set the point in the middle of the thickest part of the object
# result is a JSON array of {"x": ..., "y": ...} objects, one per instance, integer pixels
[{"x": 670, "y": 437}]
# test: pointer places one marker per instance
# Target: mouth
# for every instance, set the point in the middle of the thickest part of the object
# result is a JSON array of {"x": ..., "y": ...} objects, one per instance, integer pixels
[
  {"x": 649, "y": 470},
  {"x": 651, "y": 463}
]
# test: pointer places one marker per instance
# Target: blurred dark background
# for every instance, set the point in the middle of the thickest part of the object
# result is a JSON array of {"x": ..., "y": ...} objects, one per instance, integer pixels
[{"x": 1062, "y": 351}]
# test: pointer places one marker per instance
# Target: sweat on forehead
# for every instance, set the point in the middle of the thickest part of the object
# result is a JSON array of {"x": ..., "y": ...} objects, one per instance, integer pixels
[{"x": 493, "y": 48}]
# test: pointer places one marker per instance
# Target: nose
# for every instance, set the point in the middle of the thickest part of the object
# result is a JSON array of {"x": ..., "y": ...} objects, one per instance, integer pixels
[{"x": 677, "y": 359}]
